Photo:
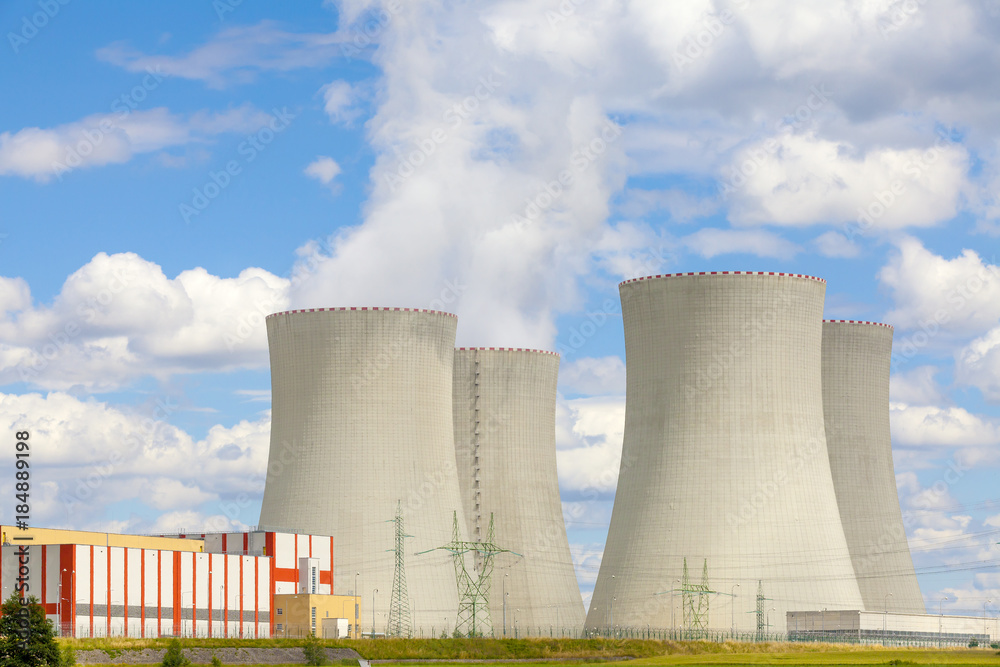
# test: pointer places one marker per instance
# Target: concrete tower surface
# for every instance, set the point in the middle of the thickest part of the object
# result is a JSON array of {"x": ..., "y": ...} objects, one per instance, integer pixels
[
  {"x": 361, "y": 420},
  {"x": 505, "y": 445},
  {"x": 856, "y": 359},
  {"x": 724, "y": 460}
]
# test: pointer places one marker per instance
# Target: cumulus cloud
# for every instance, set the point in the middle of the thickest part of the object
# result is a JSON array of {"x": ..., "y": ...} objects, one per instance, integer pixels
[
  {"x": 97, "y": 455},
  {"x": 324, "y": 169},
  {"x": 102, "y": 139},
  {"x": 951, "y": 427},
  {"x": 593, "y": 376},
  {"x": 916, "y": 387},
  {"x": 340, "y": 102},
  {"x": 589, "y": 441},
  {"x": 119, "y": 317},
  {"x": 804, "y": 179},
  {"x": 959, "y": 295},
  {"x": 835, "y": 244},
  {"x": 978, "y": 364}
]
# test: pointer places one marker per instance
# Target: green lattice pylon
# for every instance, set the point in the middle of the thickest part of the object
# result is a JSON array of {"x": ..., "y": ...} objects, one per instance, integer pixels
[
  {"x": 696, "y": 600},
  {"x": 473, "y": 618},
  {"x": 400, "y": 624}
]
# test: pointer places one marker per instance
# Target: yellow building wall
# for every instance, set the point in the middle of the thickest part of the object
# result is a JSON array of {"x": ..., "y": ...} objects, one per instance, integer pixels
[
  {"x": 294, "y": 612},
  {"x": 58, "y": 536}
]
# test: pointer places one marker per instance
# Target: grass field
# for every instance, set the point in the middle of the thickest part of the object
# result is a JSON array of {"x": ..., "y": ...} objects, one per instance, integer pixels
[{"x": 634, "y": 653}]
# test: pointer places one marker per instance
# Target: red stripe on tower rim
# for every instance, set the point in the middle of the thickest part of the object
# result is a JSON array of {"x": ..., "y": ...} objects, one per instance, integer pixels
[
  {"x": 723, "y": 273},
  {"x": 384, "y": 309},
  {"x": 873, "y": 324}
]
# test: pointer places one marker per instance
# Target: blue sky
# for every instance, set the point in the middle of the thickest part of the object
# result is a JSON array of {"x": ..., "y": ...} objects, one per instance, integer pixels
[{"x": 170, "y": 172}]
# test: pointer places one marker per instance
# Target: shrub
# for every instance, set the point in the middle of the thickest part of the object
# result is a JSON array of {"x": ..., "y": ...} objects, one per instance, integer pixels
[
  {"x": 216, "y": 662},
  {"x": 174, "y": 657},
  {"x": 314, "y": 651}
]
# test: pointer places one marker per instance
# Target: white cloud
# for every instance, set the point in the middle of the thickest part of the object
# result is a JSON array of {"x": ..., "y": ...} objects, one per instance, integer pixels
[
  {"x": 119, "y": 318},
  {"x": 589, "y": 435},
  {"x": 324, "y": 169},
  {"x": 592, "y": 376},
  {"x": 978, "y": 364},
  {"x": 835, "y": 244},
  {"x": 960, "y": 295},
  {"x": 804, "y": 180},
  {"x": 916, "y": 387},
  {"x": 97, "y": 455},
  {"x": 103, "y": 139},
  {"x": 681, "y": 206},
  {"x": 234, "y": 55},
  {"x": 935, "y": 426},
  {"x": 340, "y": 102},
  {"x": 711, "y": 242},
  {"x": 629, "y": 250}
]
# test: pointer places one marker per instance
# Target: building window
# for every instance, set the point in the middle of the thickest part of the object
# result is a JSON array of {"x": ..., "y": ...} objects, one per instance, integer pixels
[
  {"x": 314, "y": 620},
  {"x": 279, "y": 611}
]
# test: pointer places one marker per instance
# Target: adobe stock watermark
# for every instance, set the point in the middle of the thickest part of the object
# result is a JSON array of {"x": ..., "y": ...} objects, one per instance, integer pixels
[
  {"x": 375, "y": 366},
  {"x": 122, "y": 106},
  {"x": 248, "y": 150},
  {"x": 563, "y": 12},
  {"x": 59, "y": 341},
  {"x": 723, "y": 360},
  {"x": 766, "y": 490},
  {"x": 698, "y": 42},
  {"x": 898, "y": 15},
  {"x": 35, "y": 22},
  {"x": 757, "y": 157},
  {"x": 87, "y": 485},
  {"x": 549, "y": 192},
  {"x": 892, "y": 540},
  {"x": 452, "y": 118},
  {"x": 365, "y": 35},
  {"x": 958, "y": 297},
  {"x": 884, "y": 200}
]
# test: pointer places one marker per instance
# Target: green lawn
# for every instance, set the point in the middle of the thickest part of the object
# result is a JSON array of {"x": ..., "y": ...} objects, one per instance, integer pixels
[{"x": 647, "y": 652}]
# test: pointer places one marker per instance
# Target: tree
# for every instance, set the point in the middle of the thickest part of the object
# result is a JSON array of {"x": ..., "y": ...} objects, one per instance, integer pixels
[
  {"x": 174, "y": 657},
  {"x": 26, "y": 636},
  {"x": 314, "y": 651}
]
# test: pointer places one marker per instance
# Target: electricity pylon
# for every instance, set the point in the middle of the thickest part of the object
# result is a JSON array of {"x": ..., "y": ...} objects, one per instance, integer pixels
[
  {"x": 696, "y": 599},
  {"x": 473, "y": 592},
  {"x": 400, "y": 624}
]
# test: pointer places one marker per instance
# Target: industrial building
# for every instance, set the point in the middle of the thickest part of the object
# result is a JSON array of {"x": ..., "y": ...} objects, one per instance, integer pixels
[
  {"x": 856, "y": 359},
  {"x": 891, "y": 628},
  {"x": 361, "y": 424},
  {"x": 214, "y": 585},
  {"x": 505, "y": 444},
  {"x": 725, "y": 487}
]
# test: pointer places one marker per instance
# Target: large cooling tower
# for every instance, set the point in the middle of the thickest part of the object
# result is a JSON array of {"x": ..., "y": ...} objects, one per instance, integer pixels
[
  {"x": 505, "y": 443},
  {"x": 724, "y": 460},
  {"x": 856, "y": 358},
  {"x": 362, "y": 419}
]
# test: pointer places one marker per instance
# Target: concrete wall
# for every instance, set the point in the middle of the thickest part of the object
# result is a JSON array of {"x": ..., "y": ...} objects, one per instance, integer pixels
[
  {"x": 856, "y": 358},
  {"x": 361, "y": 420},
  {"x": 505, "y": 411},
  {"x": 724, "y": 456}
]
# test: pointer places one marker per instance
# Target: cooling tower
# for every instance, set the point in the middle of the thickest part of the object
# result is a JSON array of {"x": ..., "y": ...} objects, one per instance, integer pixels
[
  {"x": 724, "y": 460},
  {"x": 505, "y": 444},
  {"x": 362, "y": 419},
  {"x": 856, "y": 358}
]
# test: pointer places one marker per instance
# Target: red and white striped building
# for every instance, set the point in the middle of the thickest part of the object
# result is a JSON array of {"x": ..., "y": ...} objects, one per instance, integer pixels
[{"x": 206, "y": 585}]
